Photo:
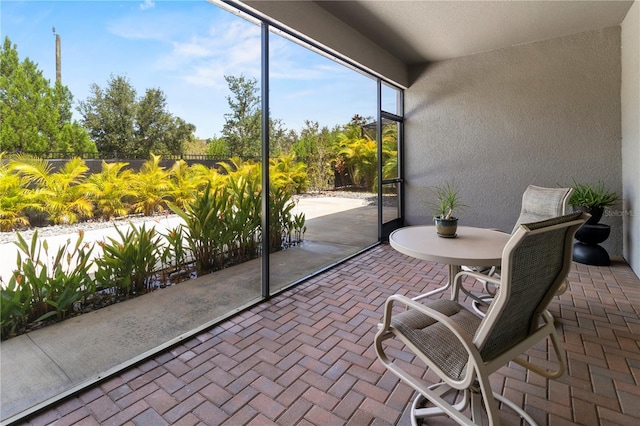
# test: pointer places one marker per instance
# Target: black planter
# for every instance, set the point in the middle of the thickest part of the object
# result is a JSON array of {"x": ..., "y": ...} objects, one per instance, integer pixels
[
  {"x": 587, "y": 250},
  {"x": 595, "y": 212}
]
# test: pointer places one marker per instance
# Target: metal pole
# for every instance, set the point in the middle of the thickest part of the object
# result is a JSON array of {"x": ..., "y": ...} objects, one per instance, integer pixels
[
  {"x": 266, "y": 291},
  {"x": 58, "y": 60}
]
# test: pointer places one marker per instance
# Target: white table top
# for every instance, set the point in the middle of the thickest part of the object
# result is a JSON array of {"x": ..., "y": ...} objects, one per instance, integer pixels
[{"x": 472, "y": 246}]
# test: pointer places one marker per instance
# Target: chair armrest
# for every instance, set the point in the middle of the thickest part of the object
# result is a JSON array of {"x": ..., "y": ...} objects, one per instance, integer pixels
[
  {"x": 457, "y": 283},
  {"x": 475, "y": 360}
]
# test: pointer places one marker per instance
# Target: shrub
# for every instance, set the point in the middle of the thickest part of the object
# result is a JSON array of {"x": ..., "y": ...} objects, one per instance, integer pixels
[
  {"x": 52, "y": 289},
  {"x": 127, "y": 265}
]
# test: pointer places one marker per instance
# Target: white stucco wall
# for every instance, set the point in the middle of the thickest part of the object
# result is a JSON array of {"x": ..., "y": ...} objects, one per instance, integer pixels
[
  {"x": 630, "y": 100},
  {"x": 542, "y": 113}
]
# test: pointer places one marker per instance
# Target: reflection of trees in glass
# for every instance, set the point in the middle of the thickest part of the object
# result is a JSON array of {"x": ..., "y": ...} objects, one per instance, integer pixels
[
  {"x": 315, "y": 148},
  {"x": 242, "y": 131},
  {"x": 35, "y": 116},
  {"x": 389, "y": 150}
]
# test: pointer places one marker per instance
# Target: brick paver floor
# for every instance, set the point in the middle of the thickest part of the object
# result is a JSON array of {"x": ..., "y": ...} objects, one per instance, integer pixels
[{"x": 305, "y": 357}]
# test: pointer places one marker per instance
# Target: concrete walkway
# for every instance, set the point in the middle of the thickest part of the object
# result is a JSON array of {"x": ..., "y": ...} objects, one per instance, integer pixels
[{"x": 48, "y": 364}]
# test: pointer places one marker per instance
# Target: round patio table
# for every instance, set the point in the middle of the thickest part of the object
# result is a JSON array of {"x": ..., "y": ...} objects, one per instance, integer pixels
[{"x": 471, "y": 247}]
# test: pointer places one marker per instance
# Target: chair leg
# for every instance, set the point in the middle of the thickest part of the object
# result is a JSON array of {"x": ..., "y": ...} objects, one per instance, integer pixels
[
  {"x": 520, "y": 411},
  {"x": 460, "y": 403}
]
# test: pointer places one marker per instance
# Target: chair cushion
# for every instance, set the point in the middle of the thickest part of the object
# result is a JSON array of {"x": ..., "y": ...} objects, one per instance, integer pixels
[{"x": 435, "y": 340}]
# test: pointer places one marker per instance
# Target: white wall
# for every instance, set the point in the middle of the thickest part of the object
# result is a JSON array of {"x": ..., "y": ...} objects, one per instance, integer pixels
[
  {"x": 630, "y": 100},
  {"x": 542, "y": 113}
]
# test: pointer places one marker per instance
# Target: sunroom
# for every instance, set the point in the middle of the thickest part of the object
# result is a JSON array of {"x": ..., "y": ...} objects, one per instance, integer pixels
[{"x": 495, "y": 95}]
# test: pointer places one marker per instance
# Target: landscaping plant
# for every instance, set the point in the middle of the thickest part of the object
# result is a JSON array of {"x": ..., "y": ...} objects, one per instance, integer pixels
[
  {"x": 206, "y": 232},
  {"x": 62, "y": 194},
  {"x": 53, "y": 287},
  {"x": 127, "y": 265},
  {"x": 222, "y": 227}
]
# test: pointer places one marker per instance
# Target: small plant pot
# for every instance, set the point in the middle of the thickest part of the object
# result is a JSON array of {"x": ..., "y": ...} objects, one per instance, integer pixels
[{"x": 446, "y": 228}]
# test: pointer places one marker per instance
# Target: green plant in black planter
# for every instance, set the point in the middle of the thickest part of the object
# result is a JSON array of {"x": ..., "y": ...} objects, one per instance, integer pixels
[
  {"x": 447, "y": 203},
  {"x": 592, "y": 199}
]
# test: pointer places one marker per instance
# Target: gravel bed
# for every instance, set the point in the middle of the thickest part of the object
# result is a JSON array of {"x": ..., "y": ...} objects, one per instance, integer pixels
[{"x": 53, "y": 230}]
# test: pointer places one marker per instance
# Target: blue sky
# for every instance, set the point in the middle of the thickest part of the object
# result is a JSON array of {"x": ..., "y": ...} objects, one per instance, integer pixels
[{"x": 185, "y": 48}]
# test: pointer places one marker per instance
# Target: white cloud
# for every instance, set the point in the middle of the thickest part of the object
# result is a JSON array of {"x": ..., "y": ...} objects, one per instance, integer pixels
[
  {"x": 147, "y": 4},
  {"x": 228, "y": 48}
]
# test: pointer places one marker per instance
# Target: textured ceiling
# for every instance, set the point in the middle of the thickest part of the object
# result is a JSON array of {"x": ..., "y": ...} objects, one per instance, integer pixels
[{"x": 426, "y": 31}]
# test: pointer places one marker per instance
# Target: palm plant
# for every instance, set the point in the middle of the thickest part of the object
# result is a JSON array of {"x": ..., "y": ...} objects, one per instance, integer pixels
[
  {"x": 185, "y": 183},
  {"x": 110, "y": 189},
  {"x": 15, "y": 200},
  {"x": 286, "y": 172},
  {"x": 151, "y": 187},
  {"x": 360, "y": 157},
  {"x": 62, "y": 194}
]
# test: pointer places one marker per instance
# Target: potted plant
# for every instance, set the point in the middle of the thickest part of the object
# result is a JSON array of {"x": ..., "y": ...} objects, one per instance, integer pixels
[
  {"x": 592, "y": 199},
  {"x": 447, "y": 203}
]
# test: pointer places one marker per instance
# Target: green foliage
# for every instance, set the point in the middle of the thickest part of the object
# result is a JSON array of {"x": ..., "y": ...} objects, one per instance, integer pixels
[
  {"x": 35, "y": 116},
  {"x": 206, "y": 231},
  {"x": 243, "y": 220},
  {"x": 156, "y": 130},
  {"x": 185, "y": 182},
  {"x": 222, "y": 228},
  {"x": 16, "y": 198},
  {"x": 360, "y": 158},
  {"x": 54, "y": 285},
  {"x": 174, "y": 254},
  {"x": 314, "y": 148},
  {"x": 197, "y": 147},
  {"x": 151, "y": 187},
  {"x": 15, "y": 303},
  {"x": 280, "y": 217},
  {"x": 286, "y": 172},
  {"x": 63, "y": 194},
  {"x": 110, "y": 190},
  {"x": 108, "y": 115},
  {"x": 127, "y": 264},
  {"x": 242, "y": 128},
  {"x": 218, "y": 148},
  {"x": 119, "y": 122},
  {"x": 447, "y": 200},
  {"x": 587, "y": 195}
]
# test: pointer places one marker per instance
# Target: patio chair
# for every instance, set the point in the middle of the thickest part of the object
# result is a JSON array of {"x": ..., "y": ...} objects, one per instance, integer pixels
[
  {"x": 538, "y": 203},
  {"x": 462, "y": 349}
]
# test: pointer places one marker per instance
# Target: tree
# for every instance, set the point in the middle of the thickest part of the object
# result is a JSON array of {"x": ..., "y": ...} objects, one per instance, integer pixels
[
  {"x": 315, "y": 149},
  {"x": 109, "y": 115},
  {"x": 218, "y": 148},
  {"x": 242, "y": 128},
  {"x": 35, "y": 117},
  {"x": 158, "y": 131},
  {"x": 118, "y": 122}
]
